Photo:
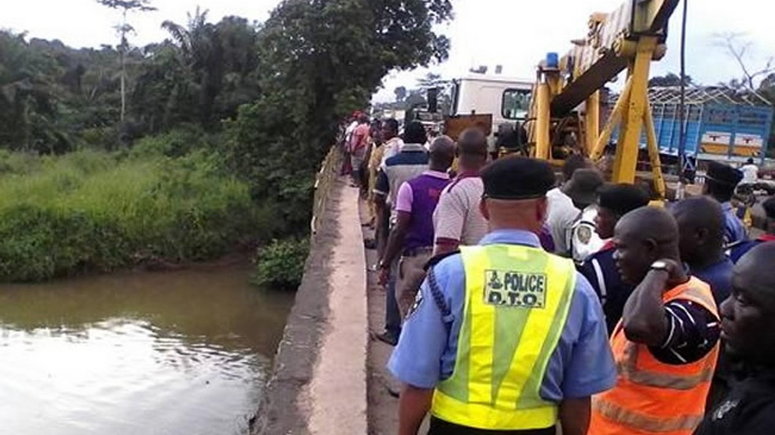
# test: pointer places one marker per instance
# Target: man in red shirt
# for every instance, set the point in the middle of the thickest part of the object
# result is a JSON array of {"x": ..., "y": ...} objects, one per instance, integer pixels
[{"x": 358, "y": 147}]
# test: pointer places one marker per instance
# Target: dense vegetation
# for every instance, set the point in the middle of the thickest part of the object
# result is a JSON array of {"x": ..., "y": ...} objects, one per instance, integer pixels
[
  {"x": 90, "y": 210},
  {"x": 225, "y": 126}
]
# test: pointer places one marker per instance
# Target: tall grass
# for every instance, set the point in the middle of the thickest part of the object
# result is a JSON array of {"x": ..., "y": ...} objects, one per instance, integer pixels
[{"x": 96, "y": 211}]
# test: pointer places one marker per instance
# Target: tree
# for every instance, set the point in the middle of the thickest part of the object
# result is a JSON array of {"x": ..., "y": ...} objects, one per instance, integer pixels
[
  {"x": 28, "y": 109},
  {"x": 400, "y": 93},
  {"x": 430, "y": 81},
  {"x": 321, "y": 60},
  {"x": 669, "y": 80},
  {"x": 123, "y": 29},
  {"x": 739, "y": 51},
  {"x": 202, "y": 55},
  {"x": 767, "y": 91}
]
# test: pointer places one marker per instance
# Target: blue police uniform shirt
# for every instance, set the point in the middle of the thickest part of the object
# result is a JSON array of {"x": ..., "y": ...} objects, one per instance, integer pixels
[
  {"x": 719, "y": 277},
  {"x": 734, "y": 229},
  {"x": 738, "y": 250},
  {"x": 581, "y": 365},
  {"x": 600, "y": 270}
]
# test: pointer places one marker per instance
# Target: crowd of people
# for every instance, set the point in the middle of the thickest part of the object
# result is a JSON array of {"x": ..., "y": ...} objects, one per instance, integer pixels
[{"x": 519, "y": 303}]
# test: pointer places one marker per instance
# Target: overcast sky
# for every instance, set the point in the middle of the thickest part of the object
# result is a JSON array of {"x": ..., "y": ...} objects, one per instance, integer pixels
[{"x": 513, "y": 33}]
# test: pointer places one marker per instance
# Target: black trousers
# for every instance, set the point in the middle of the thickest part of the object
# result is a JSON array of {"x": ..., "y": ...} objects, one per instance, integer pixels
[{"x": 441, "y": 427}]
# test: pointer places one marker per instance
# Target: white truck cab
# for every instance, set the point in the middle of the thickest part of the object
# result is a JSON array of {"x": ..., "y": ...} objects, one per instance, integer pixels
[{"x": 507, "y": 99}]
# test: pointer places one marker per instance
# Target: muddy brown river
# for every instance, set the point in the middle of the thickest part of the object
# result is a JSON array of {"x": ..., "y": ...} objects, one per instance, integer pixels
[{"x": 184, "y": 352}]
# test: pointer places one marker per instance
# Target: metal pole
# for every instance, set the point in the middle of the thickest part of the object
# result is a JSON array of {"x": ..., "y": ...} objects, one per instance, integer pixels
[{"x": 682, "y": 104}]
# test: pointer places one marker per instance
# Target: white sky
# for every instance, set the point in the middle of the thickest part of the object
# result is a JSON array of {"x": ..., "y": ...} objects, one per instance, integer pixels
[{"x": 513, "y": 33}]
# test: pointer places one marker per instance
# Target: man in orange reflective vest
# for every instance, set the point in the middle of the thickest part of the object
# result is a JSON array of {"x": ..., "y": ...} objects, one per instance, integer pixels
[{"x": 666, "y": 344}]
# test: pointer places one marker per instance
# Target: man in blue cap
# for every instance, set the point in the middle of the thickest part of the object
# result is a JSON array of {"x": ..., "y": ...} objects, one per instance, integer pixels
[
  {"x": 720, "y": 183},
  {"x": 504, "y": 336},
  {"x": 613, "y": 202}
]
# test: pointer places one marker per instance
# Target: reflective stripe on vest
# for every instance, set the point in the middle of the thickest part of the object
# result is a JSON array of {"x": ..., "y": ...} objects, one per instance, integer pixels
[
  {"x": 651, "y": 396},
  {"x": 644, "y": 422},
  {"x": 628, "y": 369},
  {"x": 510, "y": 289}
]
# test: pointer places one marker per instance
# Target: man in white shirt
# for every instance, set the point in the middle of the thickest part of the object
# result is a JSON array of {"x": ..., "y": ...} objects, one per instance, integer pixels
[
  {"x": 582, "y": 190},
  {"x": 562, "y": 212},
  {"x": 393, "y": 142},
  {"x": 750, "y": 172}
]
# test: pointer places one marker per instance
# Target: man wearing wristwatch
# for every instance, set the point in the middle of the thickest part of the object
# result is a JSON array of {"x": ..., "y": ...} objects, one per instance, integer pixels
[{"x": 666, "y": 344}]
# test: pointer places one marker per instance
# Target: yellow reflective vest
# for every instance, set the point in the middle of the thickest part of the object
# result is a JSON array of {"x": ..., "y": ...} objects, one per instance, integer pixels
[{"x": 517, "y": 300}]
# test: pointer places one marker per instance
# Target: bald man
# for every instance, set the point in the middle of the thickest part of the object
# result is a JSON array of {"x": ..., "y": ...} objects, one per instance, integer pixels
[
  {"x": 748, "y": 333},
  {"x": 701, "y": 227},
  {"x": 666, "y": 344},
  {"x": 458, "y": 220},
  {"x": 412, "y": 236}
]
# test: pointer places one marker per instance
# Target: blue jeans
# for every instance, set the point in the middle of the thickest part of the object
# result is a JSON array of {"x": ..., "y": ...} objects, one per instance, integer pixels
[{"x": 392, "y": 314}]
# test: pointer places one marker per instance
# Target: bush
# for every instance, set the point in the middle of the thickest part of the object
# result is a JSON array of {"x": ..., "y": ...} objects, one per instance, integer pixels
[
  {"x": 175, "y": 143},
  {"x": 281, "y": 264},
  {"x": 92, "y": 211}
]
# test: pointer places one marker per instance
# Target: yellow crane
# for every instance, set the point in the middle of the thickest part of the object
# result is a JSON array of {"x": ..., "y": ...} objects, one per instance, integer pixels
[{"x": 629, "y": 38}]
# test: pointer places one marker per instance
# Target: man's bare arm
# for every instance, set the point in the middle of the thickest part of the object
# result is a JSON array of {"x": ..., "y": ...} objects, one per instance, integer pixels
[
  {"x": 445, "y": 246},
  {"x": 574, "y": 416},
  {"x": 413, "y": 405},
  {"x": 396, "y": 239},
  {"x": 644, "y": 319}
]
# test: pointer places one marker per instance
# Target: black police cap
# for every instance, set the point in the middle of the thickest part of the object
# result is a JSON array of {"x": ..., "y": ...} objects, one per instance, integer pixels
[
  {"x": 622, "y": 198},
  {"x": 517, "y": 178},
  {"x": 723, "y": 174}
]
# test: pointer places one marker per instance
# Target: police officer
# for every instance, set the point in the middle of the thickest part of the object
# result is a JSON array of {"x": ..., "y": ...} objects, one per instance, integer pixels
[
  {"x": 613, "y": 202},
  {"x": 720, "y": 183},
  {"x": 504, "y": 337}
]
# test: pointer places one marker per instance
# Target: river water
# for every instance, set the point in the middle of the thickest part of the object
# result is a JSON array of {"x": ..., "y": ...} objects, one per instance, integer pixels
[{"x": 185, "y": 352}]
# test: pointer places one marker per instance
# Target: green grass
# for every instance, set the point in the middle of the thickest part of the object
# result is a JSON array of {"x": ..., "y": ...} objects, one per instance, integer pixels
[{"x": 95, "y": 211}]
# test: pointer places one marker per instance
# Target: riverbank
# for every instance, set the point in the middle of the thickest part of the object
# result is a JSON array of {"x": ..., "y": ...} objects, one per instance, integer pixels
[{"x": 93, "y": 211}]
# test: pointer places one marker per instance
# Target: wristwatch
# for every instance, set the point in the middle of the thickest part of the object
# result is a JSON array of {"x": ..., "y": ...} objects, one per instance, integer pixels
[{"x": 660, "y": 265}]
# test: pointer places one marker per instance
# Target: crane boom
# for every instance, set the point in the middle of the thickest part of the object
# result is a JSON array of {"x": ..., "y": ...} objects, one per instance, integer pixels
[
  {"x": 629, "y": 38},
  {"x": 598, "y": 60}
]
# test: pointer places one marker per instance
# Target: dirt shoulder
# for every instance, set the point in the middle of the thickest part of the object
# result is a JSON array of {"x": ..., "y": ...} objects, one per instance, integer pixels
[{"x": 383, "y": 408}]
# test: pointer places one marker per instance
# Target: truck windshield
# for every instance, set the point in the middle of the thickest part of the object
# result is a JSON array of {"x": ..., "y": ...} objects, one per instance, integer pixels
[{"x": 516, "y": 103}]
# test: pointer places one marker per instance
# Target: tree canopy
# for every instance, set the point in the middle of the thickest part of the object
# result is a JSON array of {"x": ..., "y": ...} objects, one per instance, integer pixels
[
  {"x": 670, "y": 79},
  {"x": 320, "y": 61}
]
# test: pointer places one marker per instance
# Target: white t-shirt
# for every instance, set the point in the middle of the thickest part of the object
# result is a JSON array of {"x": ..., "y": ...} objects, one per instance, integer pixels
[
  {"x": 750, "y": 174},
  {"x": 348, "y": 133},
  {"x": 392, "y": 147},
  {"x": 562, "y": 215},
  {"x": 584, "y": 240}
]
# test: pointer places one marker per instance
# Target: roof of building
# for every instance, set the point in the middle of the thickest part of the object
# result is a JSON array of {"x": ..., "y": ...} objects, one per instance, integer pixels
[{"x": 706, "y": 94}]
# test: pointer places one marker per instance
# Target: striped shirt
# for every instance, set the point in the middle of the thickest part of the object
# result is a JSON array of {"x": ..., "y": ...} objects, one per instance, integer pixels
[
  {"x": 692, "y": 332},
  {"x": 411, "y": 162}
]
